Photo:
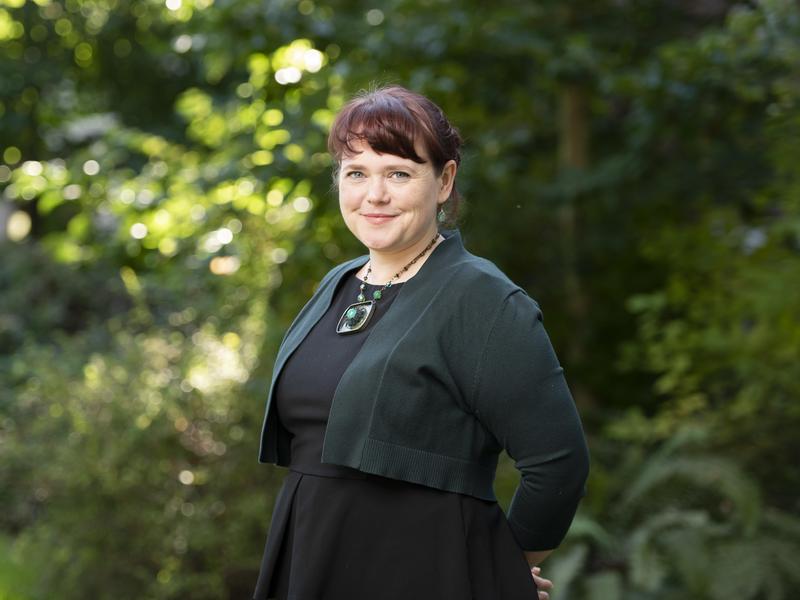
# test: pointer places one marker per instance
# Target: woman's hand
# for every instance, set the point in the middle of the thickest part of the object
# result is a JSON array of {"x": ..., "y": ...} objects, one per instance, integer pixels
[{"x": 542, "y": 584}]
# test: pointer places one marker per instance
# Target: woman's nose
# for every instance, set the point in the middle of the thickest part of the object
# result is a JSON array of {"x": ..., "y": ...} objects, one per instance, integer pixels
[{"x": 376, "y": 192}]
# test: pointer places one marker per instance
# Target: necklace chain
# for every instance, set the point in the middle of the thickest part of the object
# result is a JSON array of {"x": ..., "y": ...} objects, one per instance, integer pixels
[{"x": 376, "y": 295}]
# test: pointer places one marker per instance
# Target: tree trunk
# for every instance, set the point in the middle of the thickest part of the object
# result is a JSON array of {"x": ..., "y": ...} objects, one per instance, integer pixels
[{"x": 573, "y": 159}]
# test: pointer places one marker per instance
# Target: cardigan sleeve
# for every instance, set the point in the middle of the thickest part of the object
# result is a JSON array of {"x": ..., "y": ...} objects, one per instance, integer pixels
[{"x": 521, "y": 396}]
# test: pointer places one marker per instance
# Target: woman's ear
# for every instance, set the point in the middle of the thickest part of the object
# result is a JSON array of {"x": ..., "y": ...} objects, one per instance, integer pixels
[{"x": 447, "y": 179}]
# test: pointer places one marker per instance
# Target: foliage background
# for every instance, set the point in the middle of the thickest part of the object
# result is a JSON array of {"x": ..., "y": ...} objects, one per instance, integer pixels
[{"x": 165, "y": 208}]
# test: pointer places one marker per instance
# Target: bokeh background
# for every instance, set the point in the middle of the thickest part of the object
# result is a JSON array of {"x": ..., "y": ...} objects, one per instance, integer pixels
[{"x": 166, "y": 208}]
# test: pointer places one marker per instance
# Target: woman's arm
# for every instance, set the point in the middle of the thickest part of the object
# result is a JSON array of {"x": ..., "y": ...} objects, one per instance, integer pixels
[{"x": 522, "y": 398}]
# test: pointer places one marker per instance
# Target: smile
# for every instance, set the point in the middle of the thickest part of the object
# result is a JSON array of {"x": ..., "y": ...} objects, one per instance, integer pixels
[{"x": 378, "y": 219}]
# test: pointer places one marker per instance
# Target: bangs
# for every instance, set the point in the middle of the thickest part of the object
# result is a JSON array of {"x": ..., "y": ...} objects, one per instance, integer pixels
[{"x": 384, "y": 123}]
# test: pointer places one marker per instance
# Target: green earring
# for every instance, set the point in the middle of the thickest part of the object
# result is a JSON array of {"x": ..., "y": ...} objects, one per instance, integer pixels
[{"x": 441, "y": 217}]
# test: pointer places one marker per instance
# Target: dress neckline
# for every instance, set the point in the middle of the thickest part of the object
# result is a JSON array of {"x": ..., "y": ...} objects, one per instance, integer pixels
[{"x": 381, "y": 284}]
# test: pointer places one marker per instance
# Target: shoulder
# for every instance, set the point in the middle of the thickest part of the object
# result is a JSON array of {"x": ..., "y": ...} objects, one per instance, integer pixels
[{"x": 481, "y": 285}]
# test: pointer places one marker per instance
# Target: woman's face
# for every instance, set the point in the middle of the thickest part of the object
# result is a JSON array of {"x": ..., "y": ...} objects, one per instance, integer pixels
[{"x": 390, "y": 203}]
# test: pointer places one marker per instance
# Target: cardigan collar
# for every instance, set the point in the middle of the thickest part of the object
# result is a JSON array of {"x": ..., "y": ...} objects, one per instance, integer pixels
[{"x": 443, "y": 254}]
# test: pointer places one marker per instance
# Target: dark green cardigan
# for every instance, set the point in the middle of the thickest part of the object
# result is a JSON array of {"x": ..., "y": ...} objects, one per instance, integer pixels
[{"x": 459, "y": 369}]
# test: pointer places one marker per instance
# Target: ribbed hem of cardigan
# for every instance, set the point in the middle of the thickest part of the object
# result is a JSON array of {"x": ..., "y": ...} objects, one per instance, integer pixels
[{"x": 429, "y": 469}]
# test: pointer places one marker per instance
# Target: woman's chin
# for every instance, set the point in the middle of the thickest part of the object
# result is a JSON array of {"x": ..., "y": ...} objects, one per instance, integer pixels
[
  {"x": 377, "y": 240},
  {"x": 377, "y": 244}
]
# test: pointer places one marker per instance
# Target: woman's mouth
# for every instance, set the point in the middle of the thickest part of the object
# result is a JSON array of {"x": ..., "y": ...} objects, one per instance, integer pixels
[{"x": 377, "y": 218}]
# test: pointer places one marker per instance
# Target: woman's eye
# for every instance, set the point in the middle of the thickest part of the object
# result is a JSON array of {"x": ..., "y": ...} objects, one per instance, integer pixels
[
  {"x": 400, "y": 175},
  {"x": 354, "y": 174}
]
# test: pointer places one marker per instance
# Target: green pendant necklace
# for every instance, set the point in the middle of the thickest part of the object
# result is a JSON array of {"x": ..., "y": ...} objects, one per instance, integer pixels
[{"x": 357, "y": 315}]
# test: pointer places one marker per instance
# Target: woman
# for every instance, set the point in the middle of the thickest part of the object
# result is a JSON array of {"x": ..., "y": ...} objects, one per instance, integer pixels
[{"x": 400, "y": 382}]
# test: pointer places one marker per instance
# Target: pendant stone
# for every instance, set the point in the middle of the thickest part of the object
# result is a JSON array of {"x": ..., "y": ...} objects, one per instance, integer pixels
[{"x": 355, "y": 317}]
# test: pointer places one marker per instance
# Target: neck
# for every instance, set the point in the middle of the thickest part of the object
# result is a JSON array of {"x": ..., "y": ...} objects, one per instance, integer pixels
[{"x": 386, "y": 265}]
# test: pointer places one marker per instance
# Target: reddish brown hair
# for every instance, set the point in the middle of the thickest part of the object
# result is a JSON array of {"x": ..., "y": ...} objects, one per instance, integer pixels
[{"x": 391, "y": 119}]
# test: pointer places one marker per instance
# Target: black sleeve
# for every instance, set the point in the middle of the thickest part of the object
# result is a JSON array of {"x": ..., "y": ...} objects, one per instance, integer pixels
[{"x": 521, "y": 396}]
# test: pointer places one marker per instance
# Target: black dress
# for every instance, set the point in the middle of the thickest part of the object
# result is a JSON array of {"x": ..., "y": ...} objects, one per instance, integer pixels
[{"x": 337, "y": 533}]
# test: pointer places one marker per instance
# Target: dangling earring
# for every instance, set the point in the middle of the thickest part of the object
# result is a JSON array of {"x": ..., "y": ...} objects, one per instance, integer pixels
[{"x": 441, "y": 216}]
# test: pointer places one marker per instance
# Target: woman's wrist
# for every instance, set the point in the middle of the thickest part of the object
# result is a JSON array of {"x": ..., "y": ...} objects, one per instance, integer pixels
[{"x": 535, "y": 557}]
